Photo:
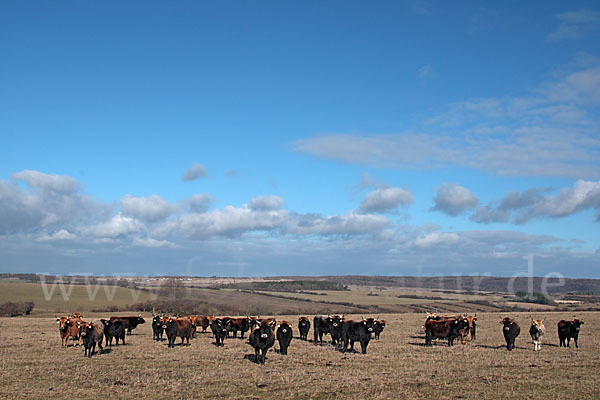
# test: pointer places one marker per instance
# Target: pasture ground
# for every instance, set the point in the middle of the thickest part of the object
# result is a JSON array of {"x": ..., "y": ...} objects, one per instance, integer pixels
[{"x": 34, "y": 365}]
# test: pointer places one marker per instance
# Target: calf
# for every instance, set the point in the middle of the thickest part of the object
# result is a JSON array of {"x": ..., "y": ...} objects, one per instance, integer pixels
[
  {"x": 113, "y": 329},
  {"x": 219, "y": 329},
  {"x": 537, "y": 330},
  {"x": 238, "y": 324},
  {"x": 91, "y": 333},
  {"x": 284, "y": 336},
  {"x": 568, "y": 330},
  {"x": 378, "y": 327},
  {"x": 157, "y": 328},
  {"x": 471, "y": 319},
  {"x": 261, "y": 339},
  {"x": 131, "y": 323},
  {"x": 444, "y": 329},
  {"x": 67, "y": 327},
  {"x": 303, "y": 327},
  {"x": 360, "y": 331},
  {"x": 511, "y": 330},
  {"x": 321, "y": 326},
  {"x": 178, "y": 327},
  {"x": 337, "y": 330}
]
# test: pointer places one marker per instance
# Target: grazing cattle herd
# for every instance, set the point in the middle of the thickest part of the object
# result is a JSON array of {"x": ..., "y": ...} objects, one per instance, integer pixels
[{"x": 263, "y": 332}]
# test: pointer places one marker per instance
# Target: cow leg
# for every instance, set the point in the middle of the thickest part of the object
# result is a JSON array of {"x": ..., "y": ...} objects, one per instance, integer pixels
[
  {"x": 575, "y": 340},
  {"x": 363, "y": 346}
]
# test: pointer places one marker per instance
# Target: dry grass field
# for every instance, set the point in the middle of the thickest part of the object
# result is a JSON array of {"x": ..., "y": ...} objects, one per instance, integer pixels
[{"x": 34, "y": 365}]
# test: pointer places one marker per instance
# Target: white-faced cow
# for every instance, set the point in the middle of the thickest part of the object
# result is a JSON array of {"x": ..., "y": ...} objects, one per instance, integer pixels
[{"x": 537, "y": 330}]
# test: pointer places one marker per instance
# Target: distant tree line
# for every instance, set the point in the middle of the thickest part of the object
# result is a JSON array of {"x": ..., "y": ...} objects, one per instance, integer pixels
[
  {"x": 16, "y": 309},
  {"x": 537, "y": 298},
  {"x": 287, "y": 286}
]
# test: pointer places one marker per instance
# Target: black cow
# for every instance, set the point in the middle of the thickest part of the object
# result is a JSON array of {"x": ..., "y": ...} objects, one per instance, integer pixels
[
  {"x": 303, "y": 327},
  {"x": 337, "y": 330},
  {"x": 261, "y": 339},
  {"x": 131, "y": 322},
  {"x": 357, "y": 331},
  {"x": 157, "y": 328},
  {"x": 113, "y": 329},
  {"x": 444, "y": 329},
  {"x": 378, "y": 327},
  {"x": 568, "y": 330},
  {"x": 321, "y": 325},
  {"x": 511, "y": 330},
  {"x": 284, "y": 336},
  {"x": 219, "y": 329}
]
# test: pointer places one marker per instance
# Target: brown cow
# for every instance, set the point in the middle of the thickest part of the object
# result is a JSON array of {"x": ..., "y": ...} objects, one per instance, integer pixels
[
  {"x": 444, "y": 329},
  {"x": 178, "y": 327},
  {"x": 67, "y": 327},
  {"x": 238, "y": 324},
  {"x": 77, "y": 315},
  {"x": 202, "y": 321}
]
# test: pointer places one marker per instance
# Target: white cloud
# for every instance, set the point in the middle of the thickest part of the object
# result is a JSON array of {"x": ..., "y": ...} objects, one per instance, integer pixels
[
  {"x": 194, "y": 172},
  {"x": 151, "y": 209},
  {"x": 574, "y": 24},
  {"x": 62, "y": 234},
  {"x": 426, "y": 72},
  {"x": 153, "y": 243},
  {"x": 535, "y": 203},
  {"x": 53, "y": 183},
  {"x": 266, "y": 203},
  {"x": 385, "y": 199},
  {"x": 118, "y": 226},
  {"x": 453, "y": 199},
  {"x": 198, "y": 203},
  {"x": 552, "y": 131},
  {"x": 436, "y": 239}
]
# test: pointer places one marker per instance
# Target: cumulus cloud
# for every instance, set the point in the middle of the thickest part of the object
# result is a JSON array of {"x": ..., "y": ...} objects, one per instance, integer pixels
[
  {"x": 536, "y": 203},
  {"x": 198, "y": 203},
  {"x": 550, "y": 131},
  {"x": 436, "y": 239},
  {"x": 153, "y": 243},
  {"x": 50, "y": 202},
  {"x": 266, "y": 203},
  {"x": 49, "y": 182},
  {"x": 117, "y": 226},
  {"x": 230, "y": 221},
  {"x": 194, "y": 172},
  {"x": 453, "y": 199},
  {"x": 62, "y": 234},
  {"x": 151, "y": 209},
  {"x": 385, "y": 199}
]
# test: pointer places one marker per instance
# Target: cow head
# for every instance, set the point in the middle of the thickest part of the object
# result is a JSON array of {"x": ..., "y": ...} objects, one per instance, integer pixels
[
  {"x": 140, "y": 320},
  {"x": 285, "y": 326},
  {"x": 369, "y": 323},
  {"x": 577, "y": 323},
  {"x": 507, "y": 322},
  {"x": 264, "y": 331},
  {"x": 336, "y": 321},
  {"x": 85, "y": 327},
  {"x": 63, "y": 323}
]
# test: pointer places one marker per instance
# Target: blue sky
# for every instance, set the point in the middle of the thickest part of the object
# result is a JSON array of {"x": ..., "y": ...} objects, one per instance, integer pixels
[{"x": 262, "y": 138}]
